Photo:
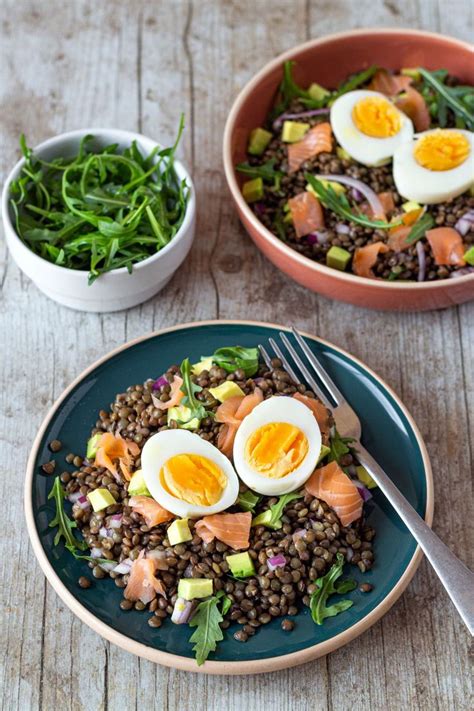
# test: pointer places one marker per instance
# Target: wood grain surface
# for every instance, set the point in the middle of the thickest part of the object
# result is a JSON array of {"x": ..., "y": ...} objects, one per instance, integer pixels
[{"x": 136, "y": 65}]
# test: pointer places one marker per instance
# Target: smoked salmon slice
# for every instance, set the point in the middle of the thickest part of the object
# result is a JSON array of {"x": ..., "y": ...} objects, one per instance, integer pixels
[
  {"x": 176, "y": 394},
  {"x": 231, "y": 413},
  {"x": 226, "y": 412},
  {"x": 414, "y": 106},
  {"x": 389, "y": 84},
  {"x": 317, "y": 140},
  {"x": 112, "y": 447},
  {"x": 306, "y": 213},
  {"x": 142, "y": 583},
  {"x": 331, "y": 485},
  {"x": 397, "y": 238},
  {"x": 320, "y": 413},
  {"x": 447, "y": 246},
  {"x": 231, "y": 529},
  {"x": 150, "y": 509},
  {"x": 365, "y": 258}
]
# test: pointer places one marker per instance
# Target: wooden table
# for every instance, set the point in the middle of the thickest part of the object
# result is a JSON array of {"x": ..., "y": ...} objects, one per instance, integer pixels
[{"x": 136, "y": 65}]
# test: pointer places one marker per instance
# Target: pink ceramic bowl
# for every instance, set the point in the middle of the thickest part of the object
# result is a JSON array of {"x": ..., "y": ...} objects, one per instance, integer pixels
[{"x": 328, "y": 61}]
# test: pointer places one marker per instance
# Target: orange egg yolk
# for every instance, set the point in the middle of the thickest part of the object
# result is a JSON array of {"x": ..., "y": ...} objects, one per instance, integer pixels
[
  {"x": 193, "y": 478},
  {"x": 276, "y": 449},
  {"x": 376, "y": 117},
  {"x": 441, "y": 150}
]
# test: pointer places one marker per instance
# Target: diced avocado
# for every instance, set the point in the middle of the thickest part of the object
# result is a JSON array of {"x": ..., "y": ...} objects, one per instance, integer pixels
[
  {"x": 469, "y": 256},
  {"x": 411, "y": 72},
  {"x": 263, "y": 518},
  {"x": 288, "y": 219},
  {"x": 181, "y": 414},
  {"x": 342, "y": 154},
  {"x": 338, "y": 258},
  {"x": 179, "y": 532},
  {"x": 137, "y": 486},
  {"x": 252, "y": 190},
  {"x": 324, "y": 453},
  {"x": 259, "y": 140},
  {"x": 241, "y": 565},
  {"x": 204, "y": 364},
  {"x": 100, "y": 499},
  {"x": 317, "y": 92},
  {"x": 337, "y": 187},
  {"x": 92, "y": 446},
  {"x": 191, "y": 588},
  {"x": 410, "y": 206},
  {"x": 293, "y": 131},
  {"x": 364, "y": 476},
  {"x": 226, "y": 390}
]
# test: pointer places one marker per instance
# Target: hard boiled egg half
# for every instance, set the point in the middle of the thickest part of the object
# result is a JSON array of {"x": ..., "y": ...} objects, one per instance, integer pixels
[
  {"x": 277, "y": 446},
  {"x": 436, "y": 166},
  {"x": 369, "y": 127},
  {"x": 188, "y": 475}
]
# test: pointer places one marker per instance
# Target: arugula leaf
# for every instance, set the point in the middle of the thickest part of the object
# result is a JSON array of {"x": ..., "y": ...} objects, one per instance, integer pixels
[
  {"x": 226, "y": 604},
  {"x": 208, "y": 633},
  {"x": 237, "y": 357},
  {"x": 418, "y": 230},
  {"x": 339, "y": 205},
  {"x": 266, "y": 171},
  {"x": 248, "y": 501},
  {"x": 290, "y": 90},
  {"x": 327, "y": 586},
  {"x": 62, "y": 521},
  {"x": 447, "y": 96},
  {"x": 189, "y": 388},
  {"x": 356, "y": 80},
  {"x": 338, "y": 446},
  {"x": 89, "y": 557},
  {"x": 271, "y": 518}
]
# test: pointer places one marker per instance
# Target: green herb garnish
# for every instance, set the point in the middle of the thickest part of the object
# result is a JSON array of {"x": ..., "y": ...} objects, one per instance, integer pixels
[
  {"x": 327, "y": 586},
  {"x": 248, "y": 501},
  {"x": 459, "y": 99},
  {"x": 266, "y": 171},
  {"x": 419, "y": 228},
  {"x": 237, "y": 358},
  {"x": 190, "y": 389},
  {"x": 340, "y": 205},
  {"x": 271, "y": 518},
  {"x": 63, "y": 522},
  {"x": 338, "y": 446},
  {"x": 100, "y": 210},
  {"x": 356, "y": 80},
  {"x": 207, "y": 620}
]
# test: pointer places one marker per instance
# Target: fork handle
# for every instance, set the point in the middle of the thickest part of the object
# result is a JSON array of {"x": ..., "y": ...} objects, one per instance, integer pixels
[{"x": 456, "y": 578}]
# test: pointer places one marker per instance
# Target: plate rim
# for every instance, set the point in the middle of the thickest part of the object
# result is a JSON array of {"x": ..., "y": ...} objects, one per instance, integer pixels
[{"x": 176, "y": 661}]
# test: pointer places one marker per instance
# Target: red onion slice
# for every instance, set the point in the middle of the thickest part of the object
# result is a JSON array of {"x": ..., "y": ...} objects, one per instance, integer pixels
[
  {"x": 74, "y": 498},
  {"x": 298, "y": 534},
  {"x": 363, "y": 490},
  {"x": 371, "y": 196},
  {"x": 159, "y": 383},
  {"x": 342, "y": 229},
  {"x": 105, "y": 532},
  {"x": 465, "y": 271},
  {"x": 302, "y": 114},
  {"x": 182, "y": 611},
  {"x": 115, "y": 521},
  {"x": 465, "y": 223},
  {"x": 97, "y": 553},
  {"x": 276, "y": 561},
  {"x": 83, "y": 503},
  {"x": 124, "y": 567},
  {"x": 108, "y": 567},
  {"x": 420, "y": 251}
]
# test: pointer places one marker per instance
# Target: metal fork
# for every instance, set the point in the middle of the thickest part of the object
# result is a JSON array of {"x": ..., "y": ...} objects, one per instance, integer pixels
[{"x": 456, "y": 578}]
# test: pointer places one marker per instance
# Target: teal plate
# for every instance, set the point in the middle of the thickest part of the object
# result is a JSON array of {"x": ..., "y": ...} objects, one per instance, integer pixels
[{"x": 388, "y": 432}]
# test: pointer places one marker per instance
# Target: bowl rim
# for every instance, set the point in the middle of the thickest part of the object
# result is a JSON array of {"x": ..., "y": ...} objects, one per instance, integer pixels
[
  {"x": 98, "y": 132},
  {"x": 176, "y": 661},
  {"x": 242, "y": 206}
]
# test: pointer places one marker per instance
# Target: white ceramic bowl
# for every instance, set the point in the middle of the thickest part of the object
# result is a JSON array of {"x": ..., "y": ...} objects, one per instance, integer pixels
[{"x": 116, "y": 289}]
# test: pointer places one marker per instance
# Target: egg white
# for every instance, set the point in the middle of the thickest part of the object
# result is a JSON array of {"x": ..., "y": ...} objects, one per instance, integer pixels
[
  {"x": 169, "y": 443},
  {"x": 430, "y": 187},
  {"x": 278, "y": 409},
  {"x": 367, "y": 150}
]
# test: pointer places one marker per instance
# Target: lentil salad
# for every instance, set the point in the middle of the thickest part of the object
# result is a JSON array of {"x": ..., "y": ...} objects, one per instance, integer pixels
[
  {"x": 296, "y": 563},
  {"x": 362, "y": 218}
]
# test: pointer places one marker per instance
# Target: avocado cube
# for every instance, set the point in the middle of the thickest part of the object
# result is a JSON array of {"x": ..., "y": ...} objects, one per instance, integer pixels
[
  {"x": 101, "y": 498},
  {"x": 259, "y": 140},
  {"x": 241, "y": 565},
  {"x": 293, "y": 131},
  {"x": 411, "y": 72},
  {"x": 338, "y": 258},
  {"x": 469, "y": 256},
  {"x": 324, "y": 453},
  {"x": 263, "y": 519},
  {"x": 226, "y": 390},
  {"x": 410, "y": 206},
  {"x": 137, "y": 486},
  {"x": 317, "y": 92},
  {"x": 179, "y": 532},
  {"x": 364, "y": 476},
  {"x": 253, "y": 190},
  {"x": 191, "y": 588},
  {"x": 204, "y": 364},
  {"x": 92, "y": 446},
  {"x": 182, "y": 414},
  {"x": 342, "y": 154}
]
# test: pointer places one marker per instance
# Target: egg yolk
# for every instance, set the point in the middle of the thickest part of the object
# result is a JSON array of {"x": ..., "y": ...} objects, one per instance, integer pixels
[
  {"x": 441, "y": 150},
  {"x": 276, "y": 449},
  {"x": 193, "y": 478},
  {"x": 376, "y": 117}
]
